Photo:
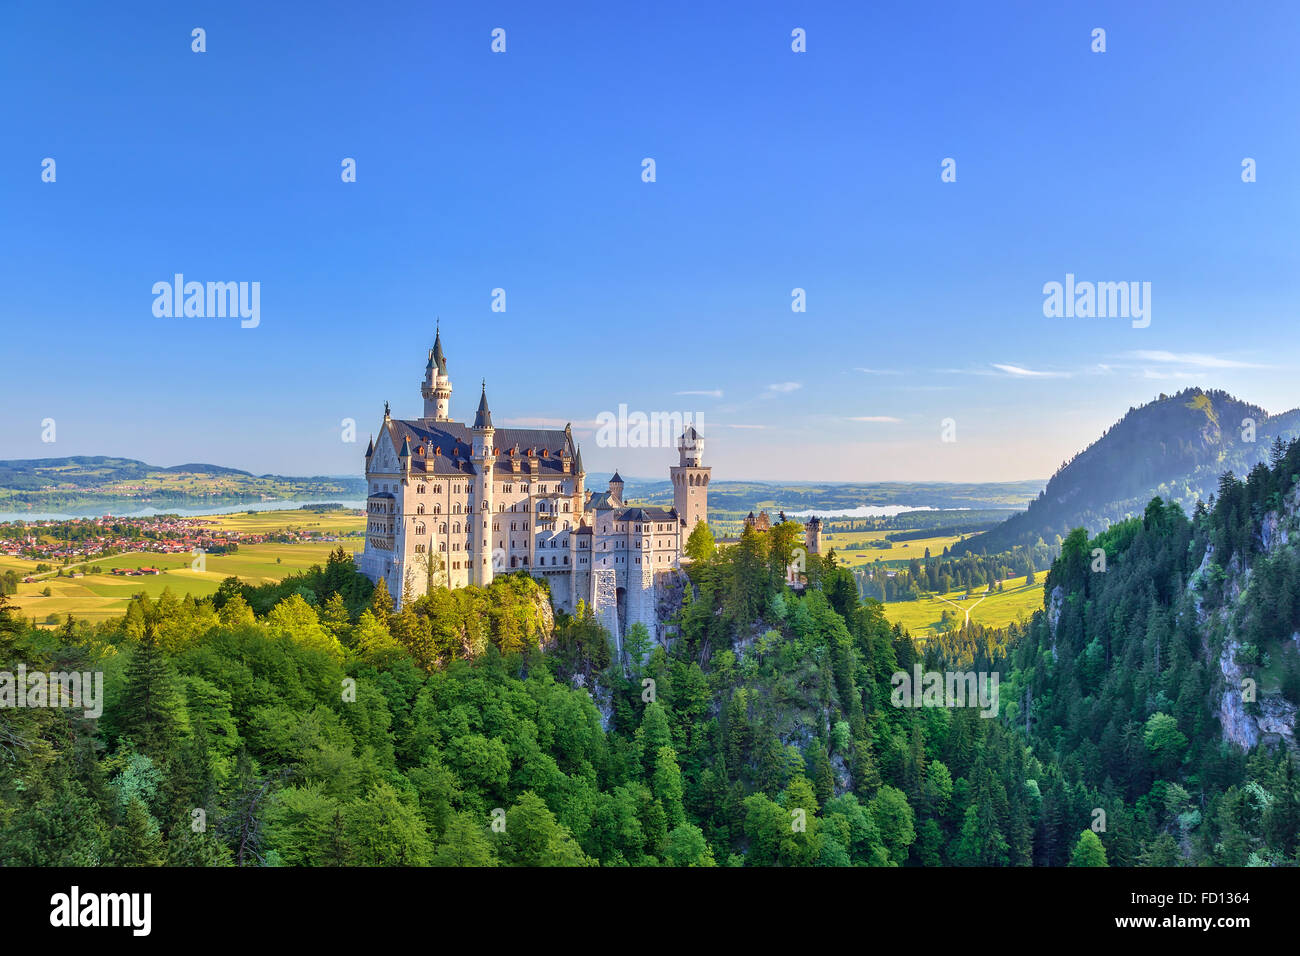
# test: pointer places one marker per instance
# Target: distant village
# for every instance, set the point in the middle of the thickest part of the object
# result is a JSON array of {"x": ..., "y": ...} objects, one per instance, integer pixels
[{"x": 61, "y": 542}]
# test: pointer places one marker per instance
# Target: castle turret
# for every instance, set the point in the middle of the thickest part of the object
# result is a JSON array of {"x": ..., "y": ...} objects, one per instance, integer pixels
[
  {"x": 616, "y": 489},
  {"x": 812, "y": 535},
  {"x": 436, "y": 387},
  {"x": 484, "y": 459},
  {"x": 691, "y": 480}
]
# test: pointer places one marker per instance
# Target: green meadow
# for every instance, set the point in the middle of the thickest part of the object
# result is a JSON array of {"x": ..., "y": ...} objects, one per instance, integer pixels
[
  {"x": 924, "y": 617},
  {"x": 902, "y": 551}
]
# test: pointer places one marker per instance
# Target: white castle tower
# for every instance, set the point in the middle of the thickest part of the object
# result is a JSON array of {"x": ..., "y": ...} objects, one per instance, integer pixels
[
  {"x": 436, "y": 387},
  {"x": 691, "y": 480}
]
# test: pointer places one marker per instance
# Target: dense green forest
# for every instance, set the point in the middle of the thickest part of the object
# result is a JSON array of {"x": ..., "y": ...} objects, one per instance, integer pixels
[{"x": 309, "y": 723}]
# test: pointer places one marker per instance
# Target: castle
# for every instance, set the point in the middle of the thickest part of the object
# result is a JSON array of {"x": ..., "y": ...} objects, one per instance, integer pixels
[{"x": 450, "y": 505}]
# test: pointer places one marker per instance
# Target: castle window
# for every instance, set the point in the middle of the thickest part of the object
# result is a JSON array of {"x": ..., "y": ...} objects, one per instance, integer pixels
[
  {"x": 437, "y": 489},
  {"x": 443, "y": 547},
  {"x": 419, "y": 529},
  {"x": 419, "y": 509},
  {"x": 455, "y": 529}
]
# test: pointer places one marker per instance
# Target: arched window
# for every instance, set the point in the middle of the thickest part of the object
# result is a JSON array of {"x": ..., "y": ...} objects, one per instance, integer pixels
[
  {"x": 442, "y": 528},
  {"x": 419, "y": 509}
]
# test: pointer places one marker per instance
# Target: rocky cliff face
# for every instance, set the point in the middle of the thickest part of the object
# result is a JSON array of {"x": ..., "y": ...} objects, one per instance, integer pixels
[{"x": 1247, "y": 715}]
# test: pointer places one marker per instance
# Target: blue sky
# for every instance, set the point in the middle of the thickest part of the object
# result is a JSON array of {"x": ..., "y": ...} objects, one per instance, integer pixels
[{"x": 522, "y": 171}]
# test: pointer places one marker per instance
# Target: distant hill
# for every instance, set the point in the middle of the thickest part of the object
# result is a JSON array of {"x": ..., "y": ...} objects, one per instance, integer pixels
[
  {"x": 1176, "y": 447},
  {"x": 83, "y": 471},
  {"x": 832, "y": 498},
  {"x": 52, "y": 483}
]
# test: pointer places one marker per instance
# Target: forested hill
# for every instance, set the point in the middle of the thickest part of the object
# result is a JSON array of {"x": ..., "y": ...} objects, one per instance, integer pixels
[
  {"x": 87, "y": 471},
  {"x": 38, "y": 483},
  {"x": 1175, "y": 447},
  {"x": 1166, "y": 671},
  {"x": 314, "y": 724}
]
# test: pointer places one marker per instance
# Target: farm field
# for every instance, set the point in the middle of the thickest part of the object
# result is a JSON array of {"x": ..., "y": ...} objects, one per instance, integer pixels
[
  {"x": 266, "y": 522},
  {"x": 98, "y": 597},
  {"x": 21, "y": 565},
  {"x": 922, "y": 618},
  {"x": 902, "y": 551}
]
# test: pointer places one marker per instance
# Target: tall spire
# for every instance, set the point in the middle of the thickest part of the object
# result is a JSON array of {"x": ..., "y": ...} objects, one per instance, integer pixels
[
  {"x": 439, "y": 359},
  {"x": 436, "y": 387},
  {"x": 483, "y": 419}
]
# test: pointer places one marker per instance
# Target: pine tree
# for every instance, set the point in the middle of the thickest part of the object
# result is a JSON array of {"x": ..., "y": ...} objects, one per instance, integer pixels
[
  {"x": 151, "y": 708},
  {"x": 1088, "y": 851},
  {"x": 136, "y": 841}
]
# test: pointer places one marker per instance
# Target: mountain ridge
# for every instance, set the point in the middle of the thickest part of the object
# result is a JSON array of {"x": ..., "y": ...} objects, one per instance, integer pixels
[{"x": 1174, "y": 447}]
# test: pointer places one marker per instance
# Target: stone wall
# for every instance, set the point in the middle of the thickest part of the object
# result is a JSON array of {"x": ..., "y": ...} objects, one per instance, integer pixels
[{"x": 604, "y": 603}]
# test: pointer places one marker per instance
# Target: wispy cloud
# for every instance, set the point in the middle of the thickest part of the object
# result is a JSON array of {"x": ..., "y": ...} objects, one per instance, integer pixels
[
  {"x": 1189, "y": 359},
  {"x": 1017, "y": 371},
  {"x": 785, "y": 387},
  {"x": 879, "y": 371},
  {"x": 707, "y": 392},
  {"x": 873, "y": 418},
  {"x": 755, "y": 427}
]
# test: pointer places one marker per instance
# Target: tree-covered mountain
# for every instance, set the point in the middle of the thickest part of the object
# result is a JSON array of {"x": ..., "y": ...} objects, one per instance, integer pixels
[
  {"x": 1175, "y": 447},
  {"x": 53, "y": 482},
  {"x": 1165, "y": 673},
  {"x": 1144, "y": 716}
]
